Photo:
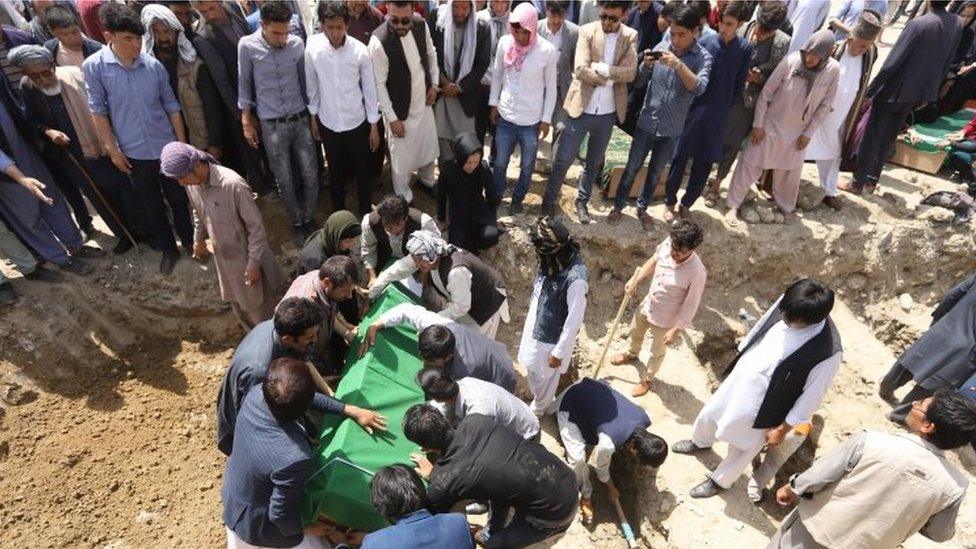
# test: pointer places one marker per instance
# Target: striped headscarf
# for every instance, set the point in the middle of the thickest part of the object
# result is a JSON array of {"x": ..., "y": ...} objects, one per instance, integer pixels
[
  {"x": 428, "y": 246},
  {"x": 554, "y": 244}
]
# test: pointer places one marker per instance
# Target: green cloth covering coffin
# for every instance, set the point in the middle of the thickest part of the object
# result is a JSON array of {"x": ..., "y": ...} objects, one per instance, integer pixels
[
  {"x": 933, "y": 133},
  {"x": 384, "y": 381}
]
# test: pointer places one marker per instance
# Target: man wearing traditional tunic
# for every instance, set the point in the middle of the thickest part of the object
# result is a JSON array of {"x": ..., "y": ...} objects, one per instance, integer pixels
[
  {"x": 806, "y": 16},
  {"x": 555, "y": 312},
  {"x": 784, "y": 367},
  {"x": 463, "y": 45},
  {"x": 224, "y": 209},
  {"x": 793, "y": 104},
  {"x": 405, "y": 65},
  {"x": 855, "y": 55},
  {"x": 471, "y": 291}
]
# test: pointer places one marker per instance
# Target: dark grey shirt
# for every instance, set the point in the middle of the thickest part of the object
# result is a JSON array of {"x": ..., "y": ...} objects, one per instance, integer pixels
[{"x": 271, "y": 79}]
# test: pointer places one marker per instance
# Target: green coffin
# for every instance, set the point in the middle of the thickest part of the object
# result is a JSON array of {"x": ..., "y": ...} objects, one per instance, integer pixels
[{"x": 383, "y": 380}]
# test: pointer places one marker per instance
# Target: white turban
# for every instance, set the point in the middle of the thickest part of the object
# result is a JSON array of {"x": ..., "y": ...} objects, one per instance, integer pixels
[
  {"x": 154, "y": 12},
  {"x": 428, "y": 245}
]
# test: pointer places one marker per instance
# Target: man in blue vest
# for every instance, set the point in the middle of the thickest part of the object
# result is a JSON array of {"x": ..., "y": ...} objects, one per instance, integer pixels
[
  {"x": 784, "y": 367},
  {"x": 555, "y": 311},
  {"x": 591, "y": 413}
]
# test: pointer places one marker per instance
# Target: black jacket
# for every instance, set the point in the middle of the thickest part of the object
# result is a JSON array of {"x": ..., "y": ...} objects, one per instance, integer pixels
[
  {"x": 88, "y": 46},
  {"x": 488, "y": 461},
  {"x": 467, "y": 199},
  {"x": 471, "y": 84}
]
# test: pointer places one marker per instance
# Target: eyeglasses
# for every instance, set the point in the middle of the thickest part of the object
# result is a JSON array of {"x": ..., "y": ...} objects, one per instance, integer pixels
[
  {"x": 401, "y": 21},
  {"x": 609, "y": 18}
]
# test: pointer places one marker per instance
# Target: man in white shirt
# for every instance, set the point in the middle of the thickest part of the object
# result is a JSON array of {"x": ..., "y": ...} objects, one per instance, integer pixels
[
  {"x": 523, "y": 97},
  {"x": 342, "y": 93},
  {"x": 469, "y": 395},
  {"x": 784, "y": 367},
  {"x": 606, "y": 61},
  {"x": 405, "y": 68},
  {"x": 591, "y": 413}
]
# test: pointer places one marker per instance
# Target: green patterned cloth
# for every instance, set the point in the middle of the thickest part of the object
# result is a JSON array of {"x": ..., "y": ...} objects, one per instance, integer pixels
[
  {"x": 383, "y": 380},
  {"x": 935, "y": 132}
]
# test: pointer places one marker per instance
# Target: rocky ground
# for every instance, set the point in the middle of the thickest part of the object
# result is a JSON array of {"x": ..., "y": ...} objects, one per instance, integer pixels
[{"x": 107, "y": 383}]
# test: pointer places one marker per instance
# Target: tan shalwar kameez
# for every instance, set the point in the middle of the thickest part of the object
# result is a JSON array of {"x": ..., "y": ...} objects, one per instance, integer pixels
[
  {"x": 224, "y": 209},
  {"x": 785, "y": 111}
]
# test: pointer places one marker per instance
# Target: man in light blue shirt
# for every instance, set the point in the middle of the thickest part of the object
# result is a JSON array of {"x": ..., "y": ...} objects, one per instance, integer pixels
[
  {"x": 136, "y": 114},
  {"x": 845, "y": 16},
  {"x": 678, "y": 72},
  {"x": 271, "y": 81}
]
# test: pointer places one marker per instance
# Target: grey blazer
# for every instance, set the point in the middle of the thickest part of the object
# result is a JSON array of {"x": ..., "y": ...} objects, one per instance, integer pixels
[{"x": 564, "y": 68}]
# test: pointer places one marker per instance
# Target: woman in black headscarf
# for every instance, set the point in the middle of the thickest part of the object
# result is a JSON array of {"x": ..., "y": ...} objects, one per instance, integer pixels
[{"x": 465, "y": 200}]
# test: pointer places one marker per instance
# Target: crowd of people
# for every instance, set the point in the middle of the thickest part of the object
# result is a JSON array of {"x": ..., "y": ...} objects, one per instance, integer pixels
[{"x": 172, "y": 119}]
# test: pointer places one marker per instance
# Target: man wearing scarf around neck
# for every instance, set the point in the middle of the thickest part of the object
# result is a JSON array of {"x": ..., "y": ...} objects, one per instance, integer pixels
[
  {"x": 470, "y": 291},
  {"x": 224, "y": 209},
  {"x": 794, "y": 103},
  {"x": 523, "y": 98},
  {"x": 463, "y": 45},
  {"x": 555, "y": 311}
]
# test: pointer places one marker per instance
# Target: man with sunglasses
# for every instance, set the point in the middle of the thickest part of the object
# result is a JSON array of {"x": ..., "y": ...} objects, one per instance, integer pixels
[
  {"x": 405, "y": 67},
  {"x": 877, "y": 489},
  {"x": 606, "y": 61}
]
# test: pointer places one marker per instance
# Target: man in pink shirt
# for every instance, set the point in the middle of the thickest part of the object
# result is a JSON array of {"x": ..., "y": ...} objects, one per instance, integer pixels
[{"x": 672, "y": 301}]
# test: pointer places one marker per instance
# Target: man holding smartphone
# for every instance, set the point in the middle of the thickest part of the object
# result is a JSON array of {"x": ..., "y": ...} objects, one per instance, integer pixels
[{"x": 678, "y": 72}]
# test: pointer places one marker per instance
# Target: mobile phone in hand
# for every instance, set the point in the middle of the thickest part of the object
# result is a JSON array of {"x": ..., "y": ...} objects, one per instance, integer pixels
[{"x": 654, "y": 55}]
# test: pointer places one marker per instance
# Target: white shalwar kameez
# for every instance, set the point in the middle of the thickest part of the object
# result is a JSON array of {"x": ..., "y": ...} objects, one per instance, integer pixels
[
  {"x": 417, "y": 149},
  {"x": 534, "y": 355},
  {"x": 730, "y": 413},
  {"x": 827, "y": 143}
]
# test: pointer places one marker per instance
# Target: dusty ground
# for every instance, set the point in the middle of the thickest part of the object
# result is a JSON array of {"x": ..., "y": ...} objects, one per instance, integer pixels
[{"x": 107, "y": 383}]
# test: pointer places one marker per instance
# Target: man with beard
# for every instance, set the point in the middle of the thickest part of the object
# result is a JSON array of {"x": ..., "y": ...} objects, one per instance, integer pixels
[
  {"x": 405, "y": 65},
  {"x": 56, "y": 98},
  {"x": 189, "y": 78},
  {"x": 462, "y": 42}
]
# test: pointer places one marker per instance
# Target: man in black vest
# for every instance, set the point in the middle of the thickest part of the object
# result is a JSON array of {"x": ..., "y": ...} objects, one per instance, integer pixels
[
  {"x": 483, "y": 460},
  {"x": 591, "y": 413},
  {"x": 405, "y": 67},
  {"x": 472, "y": 291},
  {"x": 385, "y": 233},
  {"x": 784, "y": 367}
]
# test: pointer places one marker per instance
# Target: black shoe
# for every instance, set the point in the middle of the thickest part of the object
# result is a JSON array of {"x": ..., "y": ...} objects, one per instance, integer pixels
[
  {"x": 584, "y": 216},
  {"x": 515, "y": 208},
  {"x": 90, "y": 232},
  {"x": 706, "y": 489},
  {"x": 122, "y": 246},
  {"x": 78, "y": 267},
  {"x": 40, "y": 274},
  {"x": 686, "y": 447},
  {"x": 168, "y": 262},
  {"x": 7, "y": 294},
  {"x": 88, "y": 252},
  {"x": 430, "y": 189},
  {"x": 549, "y": 210}
]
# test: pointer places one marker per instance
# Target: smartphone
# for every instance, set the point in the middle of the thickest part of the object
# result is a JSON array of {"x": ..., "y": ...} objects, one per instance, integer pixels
[{"x": 655, "y": 55}]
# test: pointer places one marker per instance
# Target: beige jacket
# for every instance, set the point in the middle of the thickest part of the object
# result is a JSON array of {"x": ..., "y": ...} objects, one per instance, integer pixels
[
  {"x": 877, "y": 489},
  {"x": 589, "y": 50}
]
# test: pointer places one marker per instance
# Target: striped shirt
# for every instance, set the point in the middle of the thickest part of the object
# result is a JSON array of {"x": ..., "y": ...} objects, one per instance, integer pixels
[{"x": 667, "y": 101}]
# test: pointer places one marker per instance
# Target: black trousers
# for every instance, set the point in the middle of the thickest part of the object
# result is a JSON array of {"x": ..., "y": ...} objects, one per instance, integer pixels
[
  {"x": 150, "y": 187},
  {"x": 883, "y": 126},
  {"x": 71, "y": 187},
  {"x": 349, "y": 158},
  {"x": 120, "y": 206}
]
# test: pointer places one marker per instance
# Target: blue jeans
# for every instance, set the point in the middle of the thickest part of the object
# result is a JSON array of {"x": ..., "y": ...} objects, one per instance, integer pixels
[
  {"x": 599, "y": 127},
  {"x": 660, "y": 149},
  {"x": 507, "y": 135},
  {"x": 282, "y": 141}
]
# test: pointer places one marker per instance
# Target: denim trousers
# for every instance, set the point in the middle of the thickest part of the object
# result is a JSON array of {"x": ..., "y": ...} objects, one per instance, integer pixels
[
  {"x": 507, "y": 135},
  {"x": 598, "y": 128},
  {"x": 284, "y": 141},
  {"x": 660, "y": 148}
]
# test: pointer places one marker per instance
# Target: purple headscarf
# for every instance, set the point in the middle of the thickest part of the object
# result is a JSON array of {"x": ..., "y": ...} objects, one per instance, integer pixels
[{"x": 179, "y": 159}]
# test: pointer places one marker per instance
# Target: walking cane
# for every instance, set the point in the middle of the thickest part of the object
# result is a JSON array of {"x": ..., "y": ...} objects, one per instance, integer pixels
[
  {"x": 101, "y": 197},
  {"x": 613, "y": 332},
  {"x": 624, "y": 525}
]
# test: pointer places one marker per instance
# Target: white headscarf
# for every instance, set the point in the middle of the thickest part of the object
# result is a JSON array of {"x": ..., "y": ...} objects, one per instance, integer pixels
[
  {"x": 445, "y": 22},
  {"x": 155, "y": 12},
  {"x": 428, "y": 245}
]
